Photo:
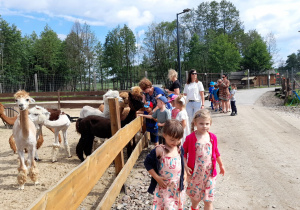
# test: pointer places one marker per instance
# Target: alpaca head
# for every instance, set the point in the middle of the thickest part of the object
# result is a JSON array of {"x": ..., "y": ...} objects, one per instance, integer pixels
[
  {"x": 112, "y": 94},
  {"x": 38, "y": 115},
  {"x": 136, "y": 90},
  {"x": 135, "y": 102},
  {"x": 23, "y": 99},
  {"x": 124, "y": 96}
]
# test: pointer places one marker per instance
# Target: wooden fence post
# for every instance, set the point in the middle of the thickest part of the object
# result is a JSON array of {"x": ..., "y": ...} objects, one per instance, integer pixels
[
  {"x": 58, "y": 99},
  {"x": 115, "y": 124},
  {"x": 36, "y": 83}
]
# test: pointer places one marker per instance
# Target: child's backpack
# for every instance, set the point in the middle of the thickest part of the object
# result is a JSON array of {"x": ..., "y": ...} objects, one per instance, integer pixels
[{"x": 218, "y": 92}]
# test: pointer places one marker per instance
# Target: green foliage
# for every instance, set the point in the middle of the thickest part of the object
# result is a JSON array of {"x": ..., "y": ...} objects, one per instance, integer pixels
[
  {"x": 223, "y": 55},
  {"x": 257, "y": 58}
]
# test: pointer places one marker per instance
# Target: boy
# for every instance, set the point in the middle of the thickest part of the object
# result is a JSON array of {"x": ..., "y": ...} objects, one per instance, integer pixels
[
  {"x": 151, "y": 124},
  {"x": 215, "y": 98},
  {"x": 232, "y": 100},
  {"x": 162, "y": 114}
]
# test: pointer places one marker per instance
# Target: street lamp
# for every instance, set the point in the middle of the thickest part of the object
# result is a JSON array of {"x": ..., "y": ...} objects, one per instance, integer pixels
[{"x": 178, "y": 51}]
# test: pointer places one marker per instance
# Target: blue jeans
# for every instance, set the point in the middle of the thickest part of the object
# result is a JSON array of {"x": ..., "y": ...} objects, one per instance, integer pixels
[{"x": 191, "y": 109}]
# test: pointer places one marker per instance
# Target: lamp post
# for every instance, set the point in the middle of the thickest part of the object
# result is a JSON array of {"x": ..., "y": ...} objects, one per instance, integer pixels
[{"x": 178, "y": 51}]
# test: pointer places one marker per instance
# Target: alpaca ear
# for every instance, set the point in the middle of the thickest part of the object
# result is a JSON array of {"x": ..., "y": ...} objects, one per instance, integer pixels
[{"x": 31, "y": 100}]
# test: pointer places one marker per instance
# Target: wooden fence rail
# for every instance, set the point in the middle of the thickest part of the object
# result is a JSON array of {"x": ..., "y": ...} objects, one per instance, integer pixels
[{"x": 76, "y": 185}]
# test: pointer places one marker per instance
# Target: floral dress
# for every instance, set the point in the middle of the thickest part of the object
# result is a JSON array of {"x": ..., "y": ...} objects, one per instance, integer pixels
[
  {"x": 202, "y": 184},
  {"x": 169, "y": 198}
]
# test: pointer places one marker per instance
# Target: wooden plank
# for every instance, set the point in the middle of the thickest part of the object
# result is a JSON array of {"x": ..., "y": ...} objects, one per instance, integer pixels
[
  {"x": 75, "y": 186},
  {"x": 78, "y": 105},
  {"x": 114, "y": 190},
  {"x": 115, "y": 124},
  {"x": 83, "y": 93}
]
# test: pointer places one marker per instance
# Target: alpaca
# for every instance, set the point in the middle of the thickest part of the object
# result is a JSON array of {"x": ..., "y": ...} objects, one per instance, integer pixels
[
  {"x": 98, "y": 126},
  {"x": 53, "y": 116},
  {"x": 24, "y": 132},
  {"x": 87, "y": 110},
  {"x": 55, "y": 119}
]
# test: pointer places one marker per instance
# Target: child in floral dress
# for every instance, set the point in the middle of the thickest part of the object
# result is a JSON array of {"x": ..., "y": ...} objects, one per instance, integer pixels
[
  {"x": 165, "y": 165},
  {"x": 201, "y": 148}
]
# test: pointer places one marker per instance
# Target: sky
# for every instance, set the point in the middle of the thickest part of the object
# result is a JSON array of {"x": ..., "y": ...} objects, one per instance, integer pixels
[{"x": 282, "y": 18}]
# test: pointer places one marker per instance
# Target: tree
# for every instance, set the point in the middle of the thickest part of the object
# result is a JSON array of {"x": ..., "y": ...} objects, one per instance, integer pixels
[
  {"x": 195, "y": 57},
  {"x": 257, "y": 57},
  {"x": 223, "y": 55}
]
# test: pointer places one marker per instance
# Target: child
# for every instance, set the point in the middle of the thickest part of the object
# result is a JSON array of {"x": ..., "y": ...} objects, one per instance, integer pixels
[
  {"x": 165, "y": 165},
  {"x": 151, "y": 124},
  {"x": 182, "y": 116},
  {"x": 162, "y": 114},
  {"x": 210, "y": 89},
  {"x": 216, "y": 98},
  {"x": 174, "y": 109},
  {"x": 201, "y": 148},
  {"x": 232, "y": 100}
]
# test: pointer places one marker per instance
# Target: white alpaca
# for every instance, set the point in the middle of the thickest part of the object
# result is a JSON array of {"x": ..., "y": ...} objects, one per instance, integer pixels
[
  {"x": 88, "y": 110},
  {"x": 40, "y": 115},
  {"x": 24, "y": 132}
]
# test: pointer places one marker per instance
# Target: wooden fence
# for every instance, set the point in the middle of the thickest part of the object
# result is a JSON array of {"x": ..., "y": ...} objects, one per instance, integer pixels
[
  {"x": 76, "y": 185},
  {"x": 62, "y": 99}
]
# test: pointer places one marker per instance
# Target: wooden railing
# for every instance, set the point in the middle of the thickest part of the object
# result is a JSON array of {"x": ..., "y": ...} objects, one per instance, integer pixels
[{"x": 76, "y": 185}]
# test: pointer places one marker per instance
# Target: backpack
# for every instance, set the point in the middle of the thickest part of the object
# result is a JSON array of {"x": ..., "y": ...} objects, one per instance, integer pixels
[{"x": 218, "y": 93}]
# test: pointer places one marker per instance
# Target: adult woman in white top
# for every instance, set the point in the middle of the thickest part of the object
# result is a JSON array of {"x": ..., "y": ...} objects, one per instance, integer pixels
[{"x": 194, "y": 92}]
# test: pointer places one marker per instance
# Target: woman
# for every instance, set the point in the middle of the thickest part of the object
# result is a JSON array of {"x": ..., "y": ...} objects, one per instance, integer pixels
[
  {"x": 175, "y": 87},
  {"x": 194, "y": 92},
  {"x": 151, "y": 93},
  {"x": 224, "y": 93}
]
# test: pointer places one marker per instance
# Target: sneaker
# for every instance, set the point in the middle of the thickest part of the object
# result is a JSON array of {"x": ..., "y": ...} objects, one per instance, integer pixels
[
  {"x": 216, "y": 110},
  {"x": 235, "y": 114},
  {"x": 232, "y": 114}
]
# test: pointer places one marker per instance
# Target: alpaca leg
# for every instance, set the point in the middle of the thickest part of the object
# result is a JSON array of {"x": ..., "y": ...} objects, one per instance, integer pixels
[
  {"x": 56, "y": 139},
  {"x": 55, "y": 150},
  {"x": 88, "y": 145},
  {"x": 12, "y": 144},
  {"x": 33, "y": 173},
  {"x": 22, "y": 175},
  {"x": 79, "y": 148},
  {"x": 67, "y": 147}
]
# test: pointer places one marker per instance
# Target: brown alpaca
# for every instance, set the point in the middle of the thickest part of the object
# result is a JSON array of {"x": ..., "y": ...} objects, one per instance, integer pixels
[{"x": 7, "y": 120}]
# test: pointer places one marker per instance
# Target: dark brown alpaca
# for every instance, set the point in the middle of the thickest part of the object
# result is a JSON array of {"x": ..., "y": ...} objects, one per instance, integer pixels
[{"x": 93, "y": 125}]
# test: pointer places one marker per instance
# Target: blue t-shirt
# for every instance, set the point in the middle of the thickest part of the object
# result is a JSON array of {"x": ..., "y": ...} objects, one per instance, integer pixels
[{"x": 214, "y": 92}]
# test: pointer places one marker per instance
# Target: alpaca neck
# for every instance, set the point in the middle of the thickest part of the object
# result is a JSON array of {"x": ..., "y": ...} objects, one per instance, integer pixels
[
  {"x": 8, "y": 120},
  {"x": 24, "y": 123},
  {"x": 131, "y": 116}
]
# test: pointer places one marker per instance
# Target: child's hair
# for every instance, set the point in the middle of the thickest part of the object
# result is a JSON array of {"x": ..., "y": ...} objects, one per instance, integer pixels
[
  {"x": 233, "y": 85},
  {"x": 180, "y": 100},
  {"x": 174, "y": 129},
  {"x": 216, "y": 86},
  {"x": 202, "y": 113}
]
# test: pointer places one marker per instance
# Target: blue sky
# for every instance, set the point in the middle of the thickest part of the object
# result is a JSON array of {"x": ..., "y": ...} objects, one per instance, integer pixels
[{"x": 282, "y": 18}]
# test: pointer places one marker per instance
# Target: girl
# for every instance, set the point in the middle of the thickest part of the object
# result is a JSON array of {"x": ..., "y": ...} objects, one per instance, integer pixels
[
  {"x": 201, "y": 148},
  {"x": 165, "y": 165},
  {"x": 182, "y": 116}
]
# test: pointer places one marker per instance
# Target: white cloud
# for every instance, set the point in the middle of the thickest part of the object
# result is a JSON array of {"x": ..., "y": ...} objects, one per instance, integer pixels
[
  {"x": 277, "y": 16},
  {"x": 62, "y": 37}
]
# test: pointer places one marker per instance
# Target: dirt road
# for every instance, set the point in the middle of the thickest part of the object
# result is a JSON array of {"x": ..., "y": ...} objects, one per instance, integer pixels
[{"x": 259, "y": 147}]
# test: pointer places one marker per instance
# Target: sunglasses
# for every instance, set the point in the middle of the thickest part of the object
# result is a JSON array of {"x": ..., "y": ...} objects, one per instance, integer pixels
[
  {"x": 193, "y": 73},
  {"x": 223, "y": 77}
]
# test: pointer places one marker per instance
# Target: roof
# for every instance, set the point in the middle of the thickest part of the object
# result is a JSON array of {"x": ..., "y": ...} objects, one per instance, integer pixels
[{"x": 246, "y": 78}]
